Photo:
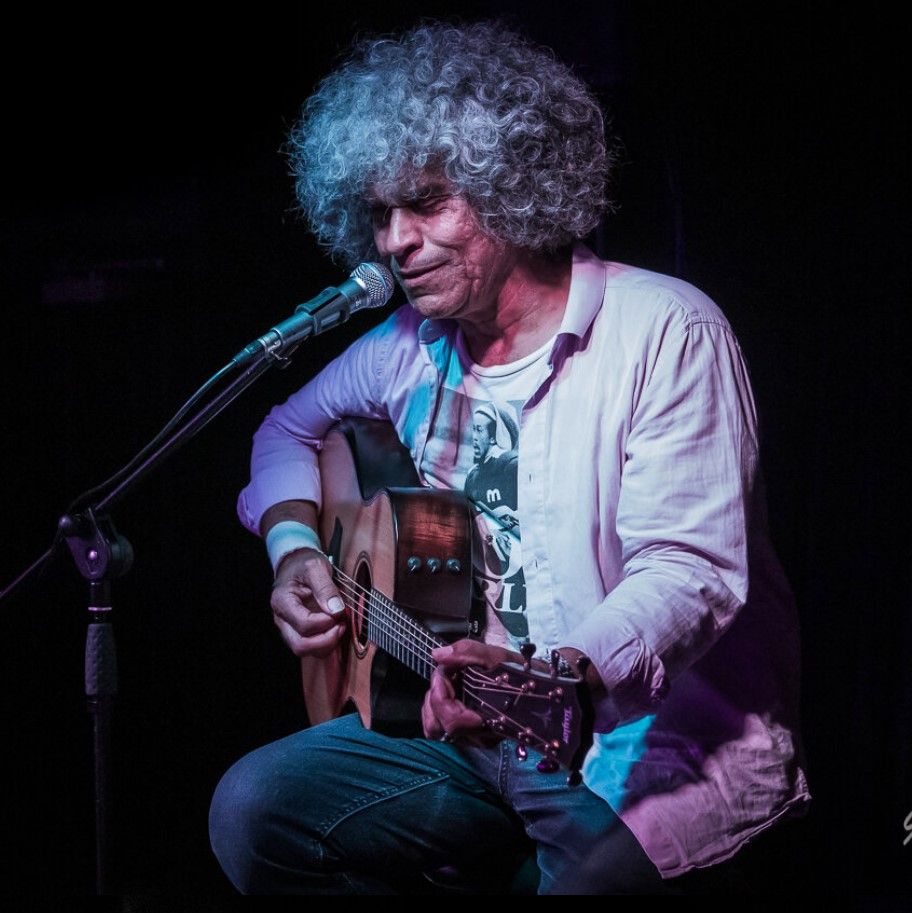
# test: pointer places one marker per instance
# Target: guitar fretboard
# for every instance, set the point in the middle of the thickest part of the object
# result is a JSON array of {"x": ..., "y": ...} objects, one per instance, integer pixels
[
  {"x": 537, "y": 709},
  {"x": 398, "y": 634}
]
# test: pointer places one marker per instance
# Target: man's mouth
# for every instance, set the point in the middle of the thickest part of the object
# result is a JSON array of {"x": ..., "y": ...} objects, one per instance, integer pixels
[{"x": 411, "y": 275}]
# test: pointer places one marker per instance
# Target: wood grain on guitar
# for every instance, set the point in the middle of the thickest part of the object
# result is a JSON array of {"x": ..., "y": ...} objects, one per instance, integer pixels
[{"x": 402, "y": 558}]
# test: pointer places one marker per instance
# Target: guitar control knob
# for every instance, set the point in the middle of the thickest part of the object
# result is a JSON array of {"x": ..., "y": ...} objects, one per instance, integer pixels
[
  {"x": 413, "y": 565},
  {"x": 521, "y": 752},
  {"x": 434, "y": 565},
  {"x": 454, "y": 565},
  {"x": 575, "y": 778}
]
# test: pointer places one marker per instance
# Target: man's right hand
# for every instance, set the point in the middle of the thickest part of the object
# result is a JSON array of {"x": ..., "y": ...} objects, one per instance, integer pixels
[{"x": 306, "y": 606}]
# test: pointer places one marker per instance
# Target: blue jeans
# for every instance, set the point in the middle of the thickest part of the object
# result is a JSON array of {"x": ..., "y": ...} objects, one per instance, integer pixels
[{"x": 340, "y": 809}]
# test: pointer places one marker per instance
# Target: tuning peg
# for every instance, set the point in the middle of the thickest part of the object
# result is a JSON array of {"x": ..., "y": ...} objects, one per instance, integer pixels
[
  {"x": 555, "y": 663},
  {"x": 528, "y": 651},
  {"x": 582, "y": 664}
]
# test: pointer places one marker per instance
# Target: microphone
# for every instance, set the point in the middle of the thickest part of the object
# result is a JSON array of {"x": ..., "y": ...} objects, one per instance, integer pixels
[{"x": 369, "y": 286}]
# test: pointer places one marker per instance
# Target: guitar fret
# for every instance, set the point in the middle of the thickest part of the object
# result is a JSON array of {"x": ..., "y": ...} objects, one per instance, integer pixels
[{"x": 400, "y": 635}]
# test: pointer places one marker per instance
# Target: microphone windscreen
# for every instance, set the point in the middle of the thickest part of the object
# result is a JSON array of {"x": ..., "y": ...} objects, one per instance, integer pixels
[{"x": 377, "y": 280}]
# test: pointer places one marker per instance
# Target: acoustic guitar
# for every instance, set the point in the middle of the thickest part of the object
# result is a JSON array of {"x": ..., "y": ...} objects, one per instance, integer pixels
[{"x": 402, "y": 561}]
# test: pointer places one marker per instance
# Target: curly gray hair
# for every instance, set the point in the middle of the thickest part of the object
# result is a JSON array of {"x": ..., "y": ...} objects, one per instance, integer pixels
[{"x": 511, "y": 127}]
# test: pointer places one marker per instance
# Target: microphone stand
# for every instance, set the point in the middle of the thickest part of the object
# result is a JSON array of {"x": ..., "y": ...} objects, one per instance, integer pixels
[{"x": 101, "y": 555}]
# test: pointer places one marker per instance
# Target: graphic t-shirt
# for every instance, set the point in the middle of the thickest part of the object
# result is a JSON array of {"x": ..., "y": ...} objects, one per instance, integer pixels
[{"x": 474, "y": 447}]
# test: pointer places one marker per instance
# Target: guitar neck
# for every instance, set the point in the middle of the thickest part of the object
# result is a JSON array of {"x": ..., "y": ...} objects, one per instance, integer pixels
[
  {"x": 538, "y": 709},
  {"x": 394, "y": 631}
]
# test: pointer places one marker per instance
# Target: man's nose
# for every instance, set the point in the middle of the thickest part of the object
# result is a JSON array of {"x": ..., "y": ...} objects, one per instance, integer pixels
[{"x": 400, "y": 234}]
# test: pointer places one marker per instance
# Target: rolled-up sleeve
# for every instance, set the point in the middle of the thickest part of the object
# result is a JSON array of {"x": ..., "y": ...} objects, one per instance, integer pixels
[{"x": 683, "y": 510}]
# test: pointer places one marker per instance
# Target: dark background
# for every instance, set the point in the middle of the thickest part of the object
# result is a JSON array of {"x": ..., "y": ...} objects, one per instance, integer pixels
[{"x": 148, "y": 233}]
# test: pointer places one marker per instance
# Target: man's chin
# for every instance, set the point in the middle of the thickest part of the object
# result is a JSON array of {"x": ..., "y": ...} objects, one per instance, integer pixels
[{"x": 428, "y": 305}]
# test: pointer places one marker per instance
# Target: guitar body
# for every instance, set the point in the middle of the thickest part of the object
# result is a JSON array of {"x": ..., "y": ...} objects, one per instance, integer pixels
[
  {"x": 387, "y": 536},
  {"x": 402, "y": 561}
]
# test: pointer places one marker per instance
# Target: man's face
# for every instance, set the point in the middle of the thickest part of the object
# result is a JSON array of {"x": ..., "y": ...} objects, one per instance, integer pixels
[
  {"x": 447, "y": 266},
  {"x": 482, "y": 436}
]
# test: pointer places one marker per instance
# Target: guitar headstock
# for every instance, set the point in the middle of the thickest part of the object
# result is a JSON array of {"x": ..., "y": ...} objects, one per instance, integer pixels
[{"x": 546, "y": 712}]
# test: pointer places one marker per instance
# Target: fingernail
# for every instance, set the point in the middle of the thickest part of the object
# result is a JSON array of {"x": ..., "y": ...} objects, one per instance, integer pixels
[
  {"x": 335, "y": 605},
  {"x": 441, "y": 652}
]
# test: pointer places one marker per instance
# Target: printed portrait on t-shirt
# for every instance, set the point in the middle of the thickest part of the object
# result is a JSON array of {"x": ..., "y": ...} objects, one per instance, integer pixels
[
  {"x": 473, "y": 446},
  {"x": 477, "y": 441},
  {"x": 491, "y": 488}
]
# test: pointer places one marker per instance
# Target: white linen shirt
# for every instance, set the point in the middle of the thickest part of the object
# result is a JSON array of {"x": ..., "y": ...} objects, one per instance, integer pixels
[{"x": 644, "y": 542}]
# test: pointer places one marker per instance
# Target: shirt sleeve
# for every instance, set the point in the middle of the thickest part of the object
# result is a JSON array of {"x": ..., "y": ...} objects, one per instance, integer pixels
[
  {"x": 283, "y": 463},
  {"x": 682, "y": 520}
]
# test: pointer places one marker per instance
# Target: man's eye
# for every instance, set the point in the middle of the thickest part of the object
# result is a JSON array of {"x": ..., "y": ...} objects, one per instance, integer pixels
[
  {"x": 380, "y": 214},
  {"x": 430, "y": 204}
]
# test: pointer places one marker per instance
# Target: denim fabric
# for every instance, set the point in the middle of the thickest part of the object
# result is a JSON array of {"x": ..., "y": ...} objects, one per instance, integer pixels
[{"x": 340, "y": 809}]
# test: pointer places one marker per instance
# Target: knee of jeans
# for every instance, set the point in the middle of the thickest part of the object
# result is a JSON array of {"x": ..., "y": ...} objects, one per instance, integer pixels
[
  {"x": 245, "y": 827},
  {"x": 233, "y": 816}
]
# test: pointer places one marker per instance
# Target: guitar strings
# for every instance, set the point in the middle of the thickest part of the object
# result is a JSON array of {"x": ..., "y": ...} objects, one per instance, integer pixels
[
  {"x": 380, "y": 621},
  {"x": 401, "y": 623},
  {"x": 520, "y": 729},
  {"x": 398, "y": 624},
  {"x": 476, "y": 682},
  {"x": 484, "y": 682},
  {"x": 399, "y": 648},
  {"x": 375, "y": 595},
  {"x": 471, "y": 675}
]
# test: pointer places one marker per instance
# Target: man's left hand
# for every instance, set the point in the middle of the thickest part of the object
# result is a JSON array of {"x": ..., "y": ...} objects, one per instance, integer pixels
[{"x": 443, "y": 716}]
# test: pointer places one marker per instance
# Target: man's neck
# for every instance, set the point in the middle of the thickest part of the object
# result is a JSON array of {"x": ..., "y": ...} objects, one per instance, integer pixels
[{"x": 527, "y": 313}]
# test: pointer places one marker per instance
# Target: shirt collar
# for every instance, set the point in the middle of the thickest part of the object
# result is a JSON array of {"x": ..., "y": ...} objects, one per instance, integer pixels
[{"x": 587, "y": 290}]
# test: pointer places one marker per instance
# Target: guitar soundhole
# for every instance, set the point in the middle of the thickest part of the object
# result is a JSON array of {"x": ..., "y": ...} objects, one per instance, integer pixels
[{"x": 363, "y": 590}]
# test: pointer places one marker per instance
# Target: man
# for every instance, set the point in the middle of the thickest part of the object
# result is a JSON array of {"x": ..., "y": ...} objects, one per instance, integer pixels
[
  {"x": 491, "y": 487},
  {"x": 474, "y": 163}
]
